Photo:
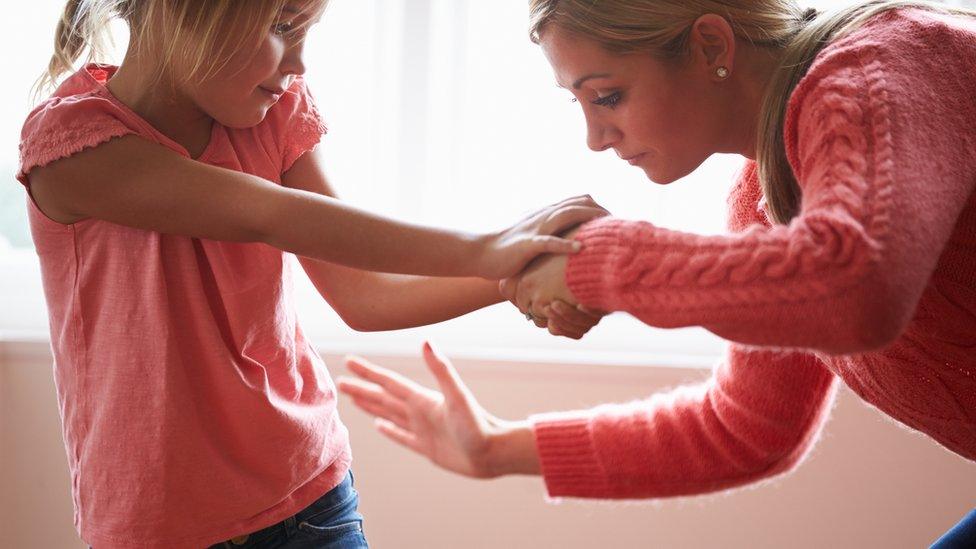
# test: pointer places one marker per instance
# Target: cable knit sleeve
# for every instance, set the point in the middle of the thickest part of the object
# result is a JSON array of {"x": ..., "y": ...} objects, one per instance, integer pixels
[
  {"x": 882, "y": 143},
  {"x": 756, "y": 417}
]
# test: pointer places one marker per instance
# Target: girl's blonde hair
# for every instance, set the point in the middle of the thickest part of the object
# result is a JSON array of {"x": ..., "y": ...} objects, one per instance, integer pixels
[
  {"x": 199, "y": 36},
  {"x": 662, "y": 28}
]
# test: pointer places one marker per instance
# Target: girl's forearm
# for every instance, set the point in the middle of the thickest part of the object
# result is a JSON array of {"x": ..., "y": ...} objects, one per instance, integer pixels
[
  {"x": 404, "y": 301},
  {"x": 316, "y": 226},
  {"x": 369, "y": 301}
]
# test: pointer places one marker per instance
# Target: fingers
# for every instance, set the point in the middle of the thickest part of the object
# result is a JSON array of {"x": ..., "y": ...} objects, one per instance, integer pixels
[
  {"x": 447, "y": 377},
  {"x": 508, "y": 287},
  {"x": 566, "y": 320},
  {"x": 596, "y": 313},
  {"x": 569, "y": 217},
  {"x": 399, "y": 435},
  {"x": 542, "y": 244},
  {"x": 374, "y": 400},
  {"x": 578, "y": 315},
  {"x": 395, "y": 384}
]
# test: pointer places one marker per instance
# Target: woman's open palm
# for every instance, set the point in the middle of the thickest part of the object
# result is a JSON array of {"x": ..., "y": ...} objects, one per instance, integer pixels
[{"x": 449, "y": 427}]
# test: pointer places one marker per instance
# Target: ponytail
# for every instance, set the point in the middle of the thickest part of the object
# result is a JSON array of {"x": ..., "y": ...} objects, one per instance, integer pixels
[
  {"x": 81, "y": 31},
  {"x": 779, "y": 184}
]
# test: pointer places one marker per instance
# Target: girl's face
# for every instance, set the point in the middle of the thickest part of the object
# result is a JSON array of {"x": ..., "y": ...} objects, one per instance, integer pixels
[
  {"x": 240, "y": 93},
  {"x": 658, "y": 115}
]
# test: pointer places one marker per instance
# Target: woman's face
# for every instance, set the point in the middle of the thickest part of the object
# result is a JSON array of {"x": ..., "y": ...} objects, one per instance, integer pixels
[{"x": 662, "y": 116}]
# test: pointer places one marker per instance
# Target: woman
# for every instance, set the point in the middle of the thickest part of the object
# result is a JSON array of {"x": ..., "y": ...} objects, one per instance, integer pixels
[{"x": 852, "y": 253}]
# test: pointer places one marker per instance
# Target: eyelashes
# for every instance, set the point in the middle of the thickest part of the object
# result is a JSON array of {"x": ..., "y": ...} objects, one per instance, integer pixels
[{"x": 609, "y": 101}]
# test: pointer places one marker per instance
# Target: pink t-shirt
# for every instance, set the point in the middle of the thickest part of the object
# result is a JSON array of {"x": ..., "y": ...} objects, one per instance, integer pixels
[{"x": 193, "y": 407}]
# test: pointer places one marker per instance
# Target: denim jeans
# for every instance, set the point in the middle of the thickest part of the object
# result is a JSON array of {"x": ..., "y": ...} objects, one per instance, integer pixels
[
  {"x": 331, "y": 522},
  {"x": 961, "y": 536}
]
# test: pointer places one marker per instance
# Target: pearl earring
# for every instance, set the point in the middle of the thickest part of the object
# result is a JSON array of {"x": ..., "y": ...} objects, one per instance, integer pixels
[{"x": 722, "y": 72}]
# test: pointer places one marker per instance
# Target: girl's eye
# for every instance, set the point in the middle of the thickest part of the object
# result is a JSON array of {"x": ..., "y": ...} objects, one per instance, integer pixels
[
  {"x": 283, "y": 28},
  {"x": 609, "y": 101}
]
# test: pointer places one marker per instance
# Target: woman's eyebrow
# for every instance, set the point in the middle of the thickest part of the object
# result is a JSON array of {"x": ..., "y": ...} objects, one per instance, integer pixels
[{"x": 579, "y": 82}]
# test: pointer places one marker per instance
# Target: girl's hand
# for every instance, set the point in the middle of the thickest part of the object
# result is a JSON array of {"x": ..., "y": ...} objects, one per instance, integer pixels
[
  {"x": 541, "y": 291},
  {"x": 450, "y": 428},
  {"x": 506, "y": 253},
  {"x": 572, "y": 321}
]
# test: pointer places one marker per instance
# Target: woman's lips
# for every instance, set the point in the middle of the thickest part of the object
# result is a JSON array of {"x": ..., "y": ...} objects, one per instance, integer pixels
[{"x": 634, "y": 160}]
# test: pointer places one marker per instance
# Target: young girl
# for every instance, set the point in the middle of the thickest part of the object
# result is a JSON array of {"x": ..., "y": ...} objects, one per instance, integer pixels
[
  {"x": 164, "y": 194},
  {"x": 853, "y": 253}
]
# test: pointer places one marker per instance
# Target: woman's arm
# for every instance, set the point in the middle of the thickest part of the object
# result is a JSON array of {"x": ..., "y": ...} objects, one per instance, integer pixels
[
  {"x": 133, "y": 182},
  {"x": 756, "y": 417},
  {"x": 884, "y": 184}
]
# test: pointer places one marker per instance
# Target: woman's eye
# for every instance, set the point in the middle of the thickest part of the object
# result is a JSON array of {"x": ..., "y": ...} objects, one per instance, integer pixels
[{"x": 609, "y": 101}]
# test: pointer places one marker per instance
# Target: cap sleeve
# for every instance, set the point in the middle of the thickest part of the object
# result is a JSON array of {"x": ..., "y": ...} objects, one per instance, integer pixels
[
  {"x": 296, "y": 123},
  {"x": 63, "y": 126}
]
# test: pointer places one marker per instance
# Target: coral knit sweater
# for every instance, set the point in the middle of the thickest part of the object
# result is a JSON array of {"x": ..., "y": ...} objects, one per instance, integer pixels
[{"x": 873, "y": 283}]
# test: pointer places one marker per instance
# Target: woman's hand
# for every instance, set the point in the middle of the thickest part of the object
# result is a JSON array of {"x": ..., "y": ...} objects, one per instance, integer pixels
[
  {"x": 450, "y": 428},
  {"x": 506, "y": 253}
]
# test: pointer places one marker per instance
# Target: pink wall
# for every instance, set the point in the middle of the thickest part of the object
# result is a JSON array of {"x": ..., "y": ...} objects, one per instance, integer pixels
[{"x": 869, "y": 482}]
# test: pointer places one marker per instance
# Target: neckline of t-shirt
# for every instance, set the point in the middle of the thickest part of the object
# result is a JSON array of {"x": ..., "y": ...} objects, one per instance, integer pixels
[{"x": 102, "y": 89}]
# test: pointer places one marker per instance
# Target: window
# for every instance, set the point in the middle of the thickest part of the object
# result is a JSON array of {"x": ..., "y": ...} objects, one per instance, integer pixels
[{"x": 441, "y": 112}]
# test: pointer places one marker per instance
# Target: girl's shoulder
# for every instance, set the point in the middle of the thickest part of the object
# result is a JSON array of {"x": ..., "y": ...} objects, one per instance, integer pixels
[
  {"x": 295, "y": 123},
  {"x": 80, "y": 114}
]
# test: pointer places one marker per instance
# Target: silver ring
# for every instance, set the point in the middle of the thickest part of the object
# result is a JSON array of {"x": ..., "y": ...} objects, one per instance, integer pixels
[{"x": 529, "y": 317}]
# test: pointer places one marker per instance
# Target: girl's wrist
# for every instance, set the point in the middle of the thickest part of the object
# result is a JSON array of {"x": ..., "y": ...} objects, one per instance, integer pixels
[{"x": 512, "y": 449}]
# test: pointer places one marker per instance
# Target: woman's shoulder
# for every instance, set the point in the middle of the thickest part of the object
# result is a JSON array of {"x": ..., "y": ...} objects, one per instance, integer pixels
[
  {"x": 901, "y": 47},
  {"x": 877, "y": 78}
]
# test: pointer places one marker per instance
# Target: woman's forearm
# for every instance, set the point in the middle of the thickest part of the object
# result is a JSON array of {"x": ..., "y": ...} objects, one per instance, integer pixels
[{"x": 512, "y": 450}]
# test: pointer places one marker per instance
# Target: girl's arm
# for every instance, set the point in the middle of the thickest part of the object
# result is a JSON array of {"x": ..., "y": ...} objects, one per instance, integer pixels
[
  {"x": 133, "y": 182},
  {"x": 370, "y": 301},
  {"x": 756, "y": 417}
]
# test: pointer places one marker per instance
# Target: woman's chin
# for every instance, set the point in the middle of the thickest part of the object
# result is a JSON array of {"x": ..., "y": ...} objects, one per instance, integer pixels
[{"x": 658, "y": 177}]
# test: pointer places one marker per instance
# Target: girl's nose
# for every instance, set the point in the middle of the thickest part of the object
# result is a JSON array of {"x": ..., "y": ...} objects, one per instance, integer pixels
[{"x": 293, "y": 62}]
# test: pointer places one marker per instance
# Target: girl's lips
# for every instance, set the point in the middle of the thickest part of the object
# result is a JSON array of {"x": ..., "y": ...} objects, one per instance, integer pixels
[{"x": 273, "y": 94}]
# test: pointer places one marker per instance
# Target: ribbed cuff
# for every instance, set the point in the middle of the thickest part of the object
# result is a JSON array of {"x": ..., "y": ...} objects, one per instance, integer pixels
[
  {"x": 566, "y": 454},
  {"x": 591, "y": 274}
]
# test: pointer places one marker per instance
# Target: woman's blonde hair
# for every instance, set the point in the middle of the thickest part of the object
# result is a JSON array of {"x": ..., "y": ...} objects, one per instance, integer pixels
[
  {"x": 662, "y": 28},
  {"x": 198, "y": 35}
]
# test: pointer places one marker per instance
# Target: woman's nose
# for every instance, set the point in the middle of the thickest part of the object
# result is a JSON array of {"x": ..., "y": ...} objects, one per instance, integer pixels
[{"x": 600, "y": 137}]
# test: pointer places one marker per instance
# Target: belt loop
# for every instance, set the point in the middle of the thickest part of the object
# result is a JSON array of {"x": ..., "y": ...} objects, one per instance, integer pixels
[{"x": 290, "y": 526}]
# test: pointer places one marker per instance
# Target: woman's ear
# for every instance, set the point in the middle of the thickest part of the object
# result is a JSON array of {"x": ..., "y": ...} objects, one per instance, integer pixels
[{"x": 712, "y": 46}]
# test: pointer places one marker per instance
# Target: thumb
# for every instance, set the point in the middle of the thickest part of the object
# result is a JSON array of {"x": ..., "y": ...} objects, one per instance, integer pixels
[{"x": 555, "y": 245}]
